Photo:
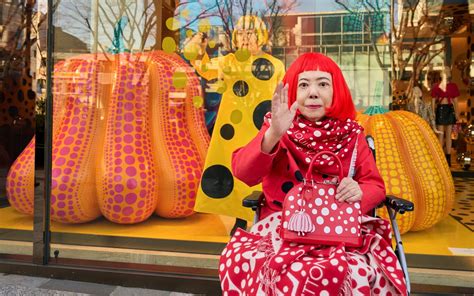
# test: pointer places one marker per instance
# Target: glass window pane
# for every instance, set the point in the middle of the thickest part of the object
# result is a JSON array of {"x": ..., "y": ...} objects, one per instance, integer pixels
[
  {"x": 353, "y": 23},
  {"x": 310, "y": 40},
  {"x": 143, "y": 91},
  {"x": 310, "y": 25},
  {"x": 331, "y": 39},
  {"x": 376, "y": 22},
  {"x": 22, "y": 110},
  {"x": 331, "y": 24},
  {"x": 352, "y": 39}
]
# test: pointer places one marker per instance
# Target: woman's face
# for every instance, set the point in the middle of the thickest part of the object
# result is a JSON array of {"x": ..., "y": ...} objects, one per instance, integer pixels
[
  {"x": 314, "y": 94},
  {"x": 247, "y": 39},
  {"x": 446, "y": 73}
]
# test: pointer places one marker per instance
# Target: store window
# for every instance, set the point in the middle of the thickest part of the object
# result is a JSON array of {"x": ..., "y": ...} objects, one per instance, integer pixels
[{"x": 151, "y": 98}]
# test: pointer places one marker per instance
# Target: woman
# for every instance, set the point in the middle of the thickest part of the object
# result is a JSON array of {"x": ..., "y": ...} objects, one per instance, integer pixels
[
  {"x": 445, "y": 100},
  {"x": 313, "y": 112}
]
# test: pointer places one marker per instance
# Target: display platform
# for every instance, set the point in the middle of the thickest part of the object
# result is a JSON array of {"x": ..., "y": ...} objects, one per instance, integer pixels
[
  {"x": 198, "y": 227},
  {"x": 449, "y": 237},
  {"x": 458, "y": 171},
  {"x": 451, "y": 240},
  {"x": 199, "y": 233}
]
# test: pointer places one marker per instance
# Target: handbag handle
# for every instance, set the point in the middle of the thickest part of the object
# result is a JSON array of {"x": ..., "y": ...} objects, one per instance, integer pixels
[{"x": 309, "y": 173}]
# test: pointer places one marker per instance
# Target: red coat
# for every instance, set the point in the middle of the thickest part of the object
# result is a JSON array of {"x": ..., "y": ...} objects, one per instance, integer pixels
[
  {"x": 261, "y": 263},
  {"x": 279, "y": 172}
]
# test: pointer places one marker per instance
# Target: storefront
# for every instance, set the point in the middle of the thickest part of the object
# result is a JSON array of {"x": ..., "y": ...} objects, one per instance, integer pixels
[{"x": 117, "y": 130}]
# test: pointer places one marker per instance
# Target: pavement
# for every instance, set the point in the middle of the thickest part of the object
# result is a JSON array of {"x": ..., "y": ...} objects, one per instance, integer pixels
[{"x": 18, "y": 285}]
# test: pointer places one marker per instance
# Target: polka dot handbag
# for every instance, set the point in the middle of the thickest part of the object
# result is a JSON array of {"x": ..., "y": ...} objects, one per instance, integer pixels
[{"x": 312, "y": 215}]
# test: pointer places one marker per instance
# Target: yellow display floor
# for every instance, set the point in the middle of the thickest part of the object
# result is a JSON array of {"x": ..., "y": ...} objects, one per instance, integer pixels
[
  {"x": 449, "y": 237},
  {"x": 199, "y": 227}
]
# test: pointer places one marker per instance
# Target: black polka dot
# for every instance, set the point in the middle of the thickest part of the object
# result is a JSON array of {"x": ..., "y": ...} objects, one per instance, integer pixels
[
  {"x": 217, "y": 181},
  {"x": 325, "y": 176},
  {"x": 240, "y": 88},
  {"x": 227, "y": 131},
  {"x": 260, "y": 111},
  {"x": 24, "y": 81},
  {"x": 31, "y": 94},
  {"x": 285, "y": 187},
  {"x": 20, "y": 96},
  {"x": 299, "y": 176},
  {"x": 13, "y": 111},
  {"x": 263, "y": 69}
]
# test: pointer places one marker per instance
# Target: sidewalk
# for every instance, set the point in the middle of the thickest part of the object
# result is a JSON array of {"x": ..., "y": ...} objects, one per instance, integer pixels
[{"x": 18, "y": 285}]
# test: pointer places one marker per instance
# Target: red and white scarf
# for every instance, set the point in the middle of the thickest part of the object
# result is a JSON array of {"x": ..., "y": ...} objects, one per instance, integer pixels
[{"x": 307, "y": 138}]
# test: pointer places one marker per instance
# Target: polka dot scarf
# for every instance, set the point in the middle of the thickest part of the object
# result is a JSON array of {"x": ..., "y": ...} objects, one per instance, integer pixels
[{"x": 308, "y": 138}]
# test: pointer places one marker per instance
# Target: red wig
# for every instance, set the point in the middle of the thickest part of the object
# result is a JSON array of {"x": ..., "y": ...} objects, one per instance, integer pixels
[{"x": 342, "y": 106}]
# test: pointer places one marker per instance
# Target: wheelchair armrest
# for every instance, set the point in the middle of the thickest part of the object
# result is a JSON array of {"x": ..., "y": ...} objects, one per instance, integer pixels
[
  {"x": 398, "y": 204},
  {"x": 253, "y": 200}
]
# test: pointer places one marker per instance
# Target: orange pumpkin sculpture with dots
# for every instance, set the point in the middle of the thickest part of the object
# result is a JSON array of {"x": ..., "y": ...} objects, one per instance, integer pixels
[
  {"x": 127, "y": 140},
  {"x": 412, "y": 165}
]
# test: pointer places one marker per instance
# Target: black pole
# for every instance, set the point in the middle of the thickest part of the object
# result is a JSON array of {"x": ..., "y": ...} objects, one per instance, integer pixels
[
  {"x": 48, "y": 141},
  {"x": 41, "y": 223}
]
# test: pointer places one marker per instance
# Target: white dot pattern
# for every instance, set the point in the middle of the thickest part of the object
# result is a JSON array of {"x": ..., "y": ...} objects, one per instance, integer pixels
[{"x": 338, "y": 220}]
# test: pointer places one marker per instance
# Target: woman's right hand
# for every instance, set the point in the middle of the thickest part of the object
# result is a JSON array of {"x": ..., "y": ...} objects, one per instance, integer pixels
[{"x": 282, "y": 115}]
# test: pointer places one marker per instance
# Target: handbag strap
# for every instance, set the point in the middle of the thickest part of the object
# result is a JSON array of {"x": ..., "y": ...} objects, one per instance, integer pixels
[
  {"x": 309, "y": 173},
  {"x": 353, "y": 160}
]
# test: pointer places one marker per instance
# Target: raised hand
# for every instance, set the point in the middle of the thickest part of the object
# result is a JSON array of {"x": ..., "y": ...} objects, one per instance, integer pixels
[{"x": 282, "y": 117}]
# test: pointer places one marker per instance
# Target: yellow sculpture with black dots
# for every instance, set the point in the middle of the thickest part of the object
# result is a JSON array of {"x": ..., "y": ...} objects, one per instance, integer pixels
[{"x": 246, "y": 79}]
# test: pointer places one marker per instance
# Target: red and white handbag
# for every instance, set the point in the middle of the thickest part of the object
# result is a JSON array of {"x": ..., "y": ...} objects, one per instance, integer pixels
[{"x": 312, "y": 215}]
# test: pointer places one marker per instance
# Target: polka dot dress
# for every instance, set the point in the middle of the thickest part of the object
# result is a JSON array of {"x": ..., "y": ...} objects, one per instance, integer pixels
[{"x": 260, "y": 263}]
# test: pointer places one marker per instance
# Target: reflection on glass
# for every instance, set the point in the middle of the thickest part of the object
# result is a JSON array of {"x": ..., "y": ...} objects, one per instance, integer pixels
[
  {"x": 132, "y": 123},
  {"x": 21, "y": 110},
  {"x": 246, "y": 80}
]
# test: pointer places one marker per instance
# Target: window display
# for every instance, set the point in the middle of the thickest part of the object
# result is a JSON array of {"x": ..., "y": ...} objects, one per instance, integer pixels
[{"x": 150, "y": 101}]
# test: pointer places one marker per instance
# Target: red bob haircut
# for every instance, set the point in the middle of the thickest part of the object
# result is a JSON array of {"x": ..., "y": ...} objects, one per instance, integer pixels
[{"x": 342, "y": 106}]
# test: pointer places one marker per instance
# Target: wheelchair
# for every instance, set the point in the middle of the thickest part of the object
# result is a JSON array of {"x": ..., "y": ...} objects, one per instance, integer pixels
[{"x": 393, "y": 204}]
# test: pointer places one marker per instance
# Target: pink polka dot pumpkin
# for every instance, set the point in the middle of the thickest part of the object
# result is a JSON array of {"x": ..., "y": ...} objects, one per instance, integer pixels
[
  {"x": 312, "y": 215},
  {"x": 123, "y": 146}
]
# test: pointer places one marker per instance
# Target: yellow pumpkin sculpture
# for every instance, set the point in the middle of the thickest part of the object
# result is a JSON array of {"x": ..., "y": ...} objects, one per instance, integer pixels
[{"x": 412, "y": 165}]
